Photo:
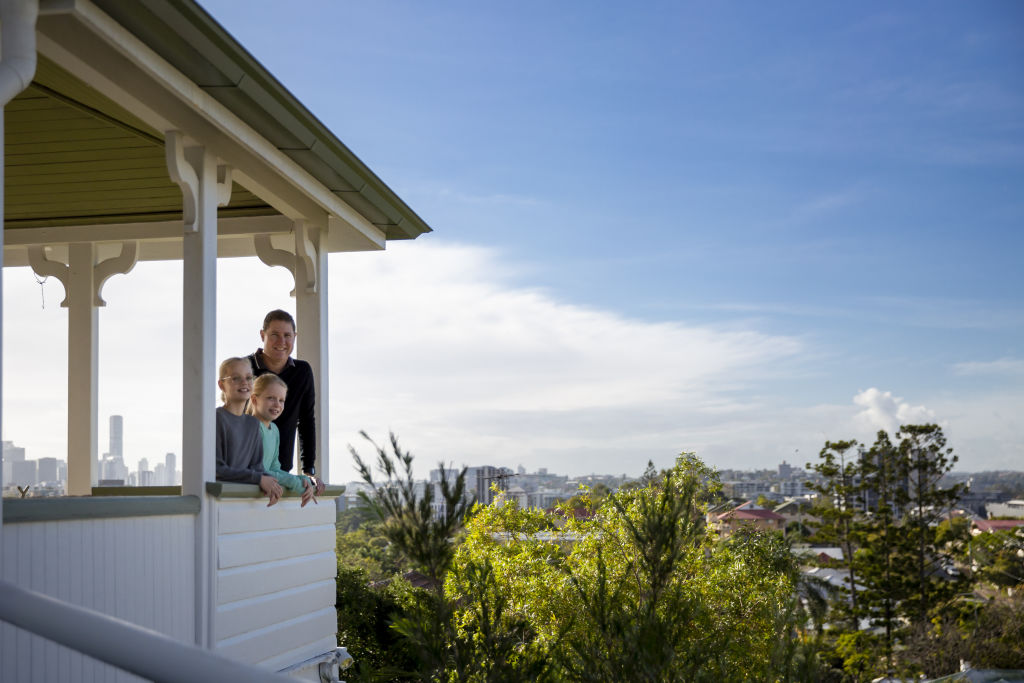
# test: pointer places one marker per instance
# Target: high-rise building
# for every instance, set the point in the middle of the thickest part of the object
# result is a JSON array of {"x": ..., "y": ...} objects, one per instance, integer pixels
[
  {"x": 12, "y": 454},
  {"x": 48, "y": 470},
  {"x": 170, "y": 468},
  {"x": 116, "y": 437},
  {"x": 24, "y": 473},
  {"x": 113, "y": 471}
]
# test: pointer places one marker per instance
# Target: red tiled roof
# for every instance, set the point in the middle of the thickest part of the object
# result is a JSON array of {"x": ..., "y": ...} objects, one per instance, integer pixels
[{"x": 739, "y": 513}]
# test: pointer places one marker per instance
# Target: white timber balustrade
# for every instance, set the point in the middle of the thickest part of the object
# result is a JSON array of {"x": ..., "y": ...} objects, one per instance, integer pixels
[{"x": 275, "y": 576}]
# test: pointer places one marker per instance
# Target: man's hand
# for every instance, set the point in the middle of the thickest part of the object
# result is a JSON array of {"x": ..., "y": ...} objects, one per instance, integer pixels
[
  {"x": 309, "y": 492},
  {"x": 270, "y": 487}
]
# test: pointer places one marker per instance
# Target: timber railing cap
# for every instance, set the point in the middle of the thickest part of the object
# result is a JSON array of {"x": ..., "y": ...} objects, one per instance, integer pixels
[
  {"x": 230, "y": 489},
  {"x": 58, "y": 508}
]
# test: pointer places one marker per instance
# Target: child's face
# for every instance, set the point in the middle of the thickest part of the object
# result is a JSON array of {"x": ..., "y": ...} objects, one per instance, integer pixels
[
  {"x": 237, "y": 382},
  {"x": 268, "y": 405}
]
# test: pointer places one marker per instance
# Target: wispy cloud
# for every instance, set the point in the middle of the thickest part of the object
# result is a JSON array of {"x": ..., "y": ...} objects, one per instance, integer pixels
[
  {"x": 825, "y": 204},
  {"x": 1000, "y": 367},
  {"x": 946, "y": 313},
  {"x": 498, "y": 199}
]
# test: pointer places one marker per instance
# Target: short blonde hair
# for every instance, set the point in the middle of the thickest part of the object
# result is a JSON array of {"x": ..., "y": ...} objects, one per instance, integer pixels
[{"x": 261, "y": 384}]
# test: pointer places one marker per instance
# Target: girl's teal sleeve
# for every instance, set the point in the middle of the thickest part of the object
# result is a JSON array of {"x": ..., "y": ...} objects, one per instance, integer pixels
[
  {"x": 292, "y": 482},
  {"x": 272, "y": 463}
]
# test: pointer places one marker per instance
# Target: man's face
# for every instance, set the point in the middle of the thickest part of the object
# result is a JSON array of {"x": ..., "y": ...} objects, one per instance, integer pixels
[{"x": 278, "y": 341}]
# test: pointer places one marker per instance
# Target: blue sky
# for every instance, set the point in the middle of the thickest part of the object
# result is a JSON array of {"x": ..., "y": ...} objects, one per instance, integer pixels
[
  {"x": 823, "y": 170},
  {"x": 736, "y": 228}
]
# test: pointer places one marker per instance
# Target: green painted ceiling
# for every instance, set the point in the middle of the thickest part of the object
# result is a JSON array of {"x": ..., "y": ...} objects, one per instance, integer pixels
[{"x": 74, "y": 157}]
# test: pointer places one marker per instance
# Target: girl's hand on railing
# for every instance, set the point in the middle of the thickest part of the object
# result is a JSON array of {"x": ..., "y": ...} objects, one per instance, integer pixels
[
  {"x": 309, "y": 492},
  {"x": 270, "y": 487}
]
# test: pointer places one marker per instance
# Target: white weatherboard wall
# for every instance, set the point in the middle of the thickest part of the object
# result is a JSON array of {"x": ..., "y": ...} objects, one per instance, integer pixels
[
  {"x": 136, "y": 568},
  {"x": 275, "y": 581}
]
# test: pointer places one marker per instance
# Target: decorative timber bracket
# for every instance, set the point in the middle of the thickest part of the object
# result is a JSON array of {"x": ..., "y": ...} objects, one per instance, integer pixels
[
  {"x": 121, "y": 264},
  {"x": 101, "y": 272},
  {"x": 302, "y": 264},
  {"x": 44, "y": 267},
  {"x": 184, "y": 174}
]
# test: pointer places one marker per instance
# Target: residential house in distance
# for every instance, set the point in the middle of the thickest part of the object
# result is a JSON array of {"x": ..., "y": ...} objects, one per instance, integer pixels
[
  {"x": 981, "y": 526},
  {"x": 1011, "y": 509},
  {"x": 143, "y": 131},
  {"x": 748, "y": 515}
]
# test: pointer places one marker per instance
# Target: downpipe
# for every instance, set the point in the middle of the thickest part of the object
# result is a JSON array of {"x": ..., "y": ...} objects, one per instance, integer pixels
[
  {"x": 17, "y": 46},
  {"x": 17, "y": 68}
]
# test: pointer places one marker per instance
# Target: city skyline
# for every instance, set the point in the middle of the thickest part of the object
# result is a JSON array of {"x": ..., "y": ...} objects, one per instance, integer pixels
[{"x": 660, "y": 229}]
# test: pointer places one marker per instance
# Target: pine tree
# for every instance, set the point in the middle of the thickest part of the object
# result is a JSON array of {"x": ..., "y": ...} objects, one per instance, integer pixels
[{"x": 840, "y": 491}]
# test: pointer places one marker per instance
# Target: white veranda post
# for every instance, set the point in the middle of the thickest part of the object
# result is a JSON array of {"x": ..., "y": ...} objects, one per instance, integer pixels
[
  {"x": 311, "y": 310},
  {"x": 204, "y": 186},
  {"x": 308, "y": 266},
  {"x": 83, "y": 279}
]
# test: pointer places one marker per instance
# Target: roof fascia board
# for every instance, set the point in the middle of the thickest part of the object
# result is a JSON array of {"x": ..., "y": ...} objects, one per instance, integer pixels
[{"x": 173, "y": 102}]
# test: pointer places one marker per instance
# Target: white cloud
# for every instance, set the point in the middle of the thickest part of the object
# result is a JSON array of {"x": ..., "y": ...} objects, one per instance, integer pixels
[
  {"x": 433, "y": 341},
  {"x": 478, "y": 369},
  {"x": 440, "y": 344},
  {"x": 882, "y": 410}
]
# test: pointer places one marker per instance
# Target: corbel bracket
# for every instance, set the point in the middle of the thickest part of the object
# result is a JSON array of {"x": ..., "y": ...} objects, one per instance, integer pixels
[
  {"x": 223, "y": 185},
  {"x": 44, "y": 267},
  {"x": 184, "y": 176},
  {"x": 273, "y": 256},
  {"x": 305, "y": 255},
  {"x": 121, "y": 264}
]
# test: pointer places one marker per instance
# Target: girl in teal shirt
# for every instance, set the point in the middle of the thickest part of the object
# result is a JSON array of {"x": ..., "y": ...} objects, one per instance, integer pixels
[{"x": 265, "y": 404}]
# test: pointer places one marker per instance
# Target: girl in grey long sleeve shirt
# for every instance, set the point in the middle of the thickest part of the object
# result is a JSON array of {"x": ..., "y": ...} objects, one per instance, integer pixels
[{"x": 239, "y": 444}]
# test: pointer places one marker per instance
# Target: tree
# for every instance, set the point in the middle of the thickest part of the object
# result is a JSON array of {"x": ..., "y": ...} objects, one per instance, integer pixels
[
  {"x": 838, "y": 492},
  {"x": 639, "y": 591},
  {"x": 636, "y": 591},
  {"x": 885, "y": 510},
  {"x": 422, "y": 531},
  {"x": 998, "y": 557},
  {"x": 925, "y": 458}
]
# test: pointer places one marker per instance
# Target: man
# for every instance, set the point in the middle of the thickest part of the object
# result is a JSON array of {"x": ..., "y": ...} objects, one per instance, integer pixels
[{"x": 278, "y": 335}]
